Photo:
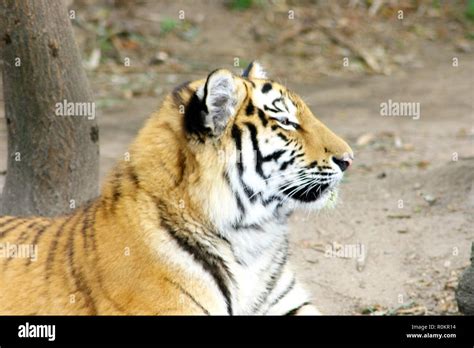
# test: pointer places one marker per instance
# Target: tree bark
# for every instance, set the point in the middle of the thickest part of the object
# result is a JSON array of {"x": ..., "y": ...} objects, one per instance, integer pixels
[
  {"x": 53, "y": 160},
  {"x": 465, "y": 290}
]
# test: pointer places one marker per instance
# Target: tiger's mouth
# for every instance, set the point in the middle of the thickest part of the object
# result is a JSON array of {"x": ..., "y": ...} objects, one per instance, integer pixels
[{"x": 307, "y": 193}]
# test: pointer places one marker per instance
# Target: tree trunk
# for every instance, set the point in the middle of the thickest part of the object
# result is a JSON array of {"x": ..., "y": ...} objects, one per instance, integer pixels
[
  {"x": 465, "y": 290},
  {"x": 53, "y": 159}
]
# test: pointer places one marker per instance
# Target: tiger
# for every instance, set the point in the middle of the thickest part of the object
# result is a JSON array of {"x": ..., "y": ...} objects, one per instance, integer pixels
[{"x": 195, "y": 220}]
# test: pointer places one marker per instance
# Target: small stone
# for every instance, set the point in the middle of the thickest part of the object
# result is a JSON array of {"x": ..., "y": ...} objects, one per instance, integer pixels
[
  {"x": 429, "y": 199},
  {"x": 159, "y": 58},
  {"x": 381, "y": 175},
  {"x": 398, "y": 142}
]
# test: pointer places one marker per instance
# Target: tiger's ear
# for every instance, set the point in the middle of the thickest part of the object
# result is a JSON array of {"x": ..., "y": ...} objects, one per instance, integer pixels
[
  {"x": 219, "y": 99},
  {"x": 254, "y": 71}
]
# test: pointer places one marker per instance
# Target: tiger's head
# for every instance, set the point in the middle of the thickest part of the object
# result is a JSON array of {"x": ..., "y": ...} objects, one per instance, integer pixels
[{"x": 254, "y": 150}]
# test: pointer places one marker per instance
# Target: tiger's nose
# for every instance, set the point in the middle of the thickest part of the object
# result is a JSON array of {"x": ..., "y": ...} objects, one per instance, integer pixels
[{"x": 343, "y": 162}]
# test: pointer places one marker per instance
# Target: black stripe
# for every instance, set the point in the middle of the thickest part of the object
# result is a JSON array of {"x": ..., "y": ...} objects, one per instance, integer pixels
[
  {"x": 274, "y": 156},
  {"x": 25, "y": 234},
  {"x": 325, "y": 174},
  {"x": 11, "y": 228},
  {"x": 85, "y": 224},
  {"x": 250, "y": 109},
  {"x": 248, "y": 191},
  {"x": 284, "y": 103},
  {"x": 276, "y": 111},
  {"x": 271, "y": 199},
  {"x": 274, "y": 276},
  {"x": 261, "y": 116},
  {"x": 285, "y": 165},
  {"x": 240, "y": 205},
  {"x": 116, "y": 193},
  {"x": 8, "y": 220},
  {"x": 54, "y": 246},
  {"x": 259, "y": 159},
  {"x": 213, "y": 264},
  {"x": 283, "y": 294},
  {"x": 237, "y": 135},
  {"x": 91, "y": 233},
  {"x": 23, "y": 237},
  {"x": 239, "y": 226},
  {"x": 276, "y": 107},
  {"x": 294, "y": 311},
  {"x": 183, "y": 290},
  {"x": 77, "y": 276},
  {"x": 37, "y": 237},
  {"x": 282, "y": 136},
  {"x": 98, "y": 272}
]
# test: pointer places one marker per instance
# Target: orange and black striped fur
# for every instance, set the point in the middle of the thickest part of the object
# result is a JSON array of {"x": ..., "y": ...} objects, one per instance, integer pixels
[{"x": 195, "y": 221}]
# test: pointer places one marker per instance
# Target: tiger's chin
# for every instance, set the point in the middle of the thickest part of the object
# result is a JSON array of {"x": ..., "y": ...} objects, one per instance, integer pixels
[{"x": 317, "y": 200}]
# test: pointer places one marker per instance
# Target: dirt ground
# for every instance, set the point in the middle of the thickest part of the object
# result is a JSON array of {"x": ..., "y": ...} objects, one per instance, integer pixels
[
  {"x": 408, "y": 200},
  {"x": 414, "y": 253}
]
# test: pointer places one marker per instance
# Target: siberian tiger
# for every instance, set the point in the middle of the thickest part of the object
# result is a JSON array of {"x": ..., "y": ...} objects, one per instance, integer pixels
[{"x": 195, "y": 220}]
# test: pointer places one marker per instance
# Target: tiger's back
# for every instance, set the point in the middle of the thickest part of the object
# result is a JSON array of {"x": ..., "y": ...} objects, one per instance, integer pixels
[
  {"x": 42, "y": 268},
  {"x": 74, "y": 265},
  {"x": 22, "y": 265}
]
